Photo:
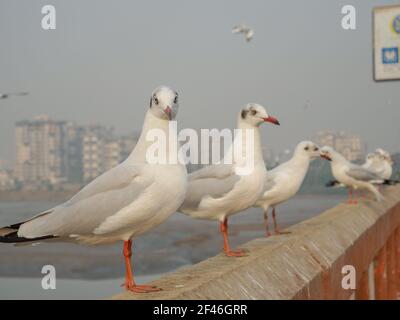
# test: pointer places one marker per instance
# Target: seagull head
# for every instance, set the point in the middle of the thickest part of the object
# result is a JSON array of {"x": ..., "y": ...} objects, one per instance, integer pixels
[
  {"x": 327, "y": 153},
  {"x": 255, "y": 114},
  {"x": 309, "y": 149},
  {"x": 384, "y": 155},
  {"x": 370, "y": 158},
  {"x": 164, "y": 103}
]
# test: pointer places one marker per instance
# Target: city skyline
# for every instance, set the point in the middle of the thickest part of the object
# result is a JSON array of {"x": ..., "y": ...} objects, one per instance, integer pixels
[
  {"x": 269, "y": 153},
  {"x": 58, "y": 153},
  {"x": 312, "y": 74}
]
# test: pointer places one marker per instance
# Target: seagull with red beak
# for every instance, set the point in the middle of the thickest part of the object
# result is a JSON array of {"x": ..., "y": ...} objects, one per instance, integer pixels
[
  {"x": 351, "y": 175},
  {"x": 285, "y": 180},
  {"x": 122, "y": 203},
  {"x": 218, "y": 191}
]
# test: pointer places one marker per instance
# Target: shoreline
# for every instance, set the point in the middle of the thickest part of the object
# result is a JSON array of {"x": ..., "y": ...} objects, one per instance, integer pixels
[
  {"x": 177, "y": 242},
  {"x": 37, "y": 195},
  {"x": 64, "y": 195}
]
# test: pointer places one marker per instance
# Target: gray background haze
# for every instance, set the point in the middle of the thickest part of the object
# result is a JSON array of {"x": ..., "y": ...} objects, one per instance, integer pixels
[{"x": 105, "y": 58}]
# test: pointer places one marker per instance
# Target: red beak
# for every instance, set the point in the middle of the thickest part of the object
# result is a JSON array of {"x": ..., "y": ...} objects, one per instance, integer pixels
[
  {"x": 326, "y": 157},
  {"x": 272, "y": 120},
  {"x": 168, "y": 112}
]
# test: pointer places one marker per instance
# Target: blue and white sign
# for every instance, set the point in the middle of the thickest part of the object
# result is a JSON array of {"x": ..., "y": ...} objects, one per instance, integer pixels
[
  {"x": 387, "y": 43},
  {"x": 390, "y": 55}
]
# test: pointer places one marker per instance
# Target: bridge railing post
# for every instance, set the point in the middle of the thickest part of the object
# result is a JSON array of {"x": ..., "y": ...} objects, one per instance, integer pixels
[
  {"x": 397, "y": 261},
  {"x": 381, "y": 275},
  {"x": 362, "y": 292},
  {"x": 391, "y": 268}
]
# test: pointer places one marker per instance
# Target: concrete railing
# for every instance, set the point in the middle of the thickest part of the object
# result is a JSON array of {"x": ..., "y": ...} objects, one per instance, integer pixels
[{"x": 305, "y": 264}]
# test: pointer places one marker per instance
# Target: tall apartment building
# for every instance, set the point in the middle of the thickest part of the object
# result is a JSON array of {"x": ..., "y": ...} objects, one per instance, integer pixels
[
  {"x": 7, "y": 181},
  {"x": 103, "y": 150},
  {"x": 73, "y": 152},
  {"x": 40, "y": 151},
  {"x": 56, "y": 153},
  {"x": 348, "y": 144},
  {"x": 94, "y": 143}
]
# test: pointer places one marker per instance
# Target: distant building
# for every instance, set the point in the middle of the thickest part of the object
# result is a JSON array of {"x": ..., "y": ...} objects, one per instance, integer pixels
[
  {"x": 126, "y": 143},
  {"x": 7, "y": 181},
  {"x": 103, "y": 150},
  {"x": 40, "y": 151},
  {"x": 349, "y": 145},
  {"x": 62, "y": 154},
  {"x": 73, "y": 153}
]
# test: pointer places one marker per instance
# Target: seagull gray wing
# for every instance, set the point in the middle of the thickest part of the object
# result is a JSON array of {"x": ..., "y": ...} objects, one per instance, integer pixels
[
  {"x": 269, "y": 181},
  {"x": 218, "y": 171},
  {"x": 213, "y": 181},
  {"x": 102, "y": 198},
  {"x": 360, "y": 173}
]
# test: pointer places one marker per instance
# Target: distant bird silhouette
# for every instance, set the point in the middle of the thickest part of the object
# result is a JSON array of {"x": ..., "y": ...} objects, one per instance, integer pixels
[
  {"x": 247, "y": 31},
  {"x": 8, "y": 94}
]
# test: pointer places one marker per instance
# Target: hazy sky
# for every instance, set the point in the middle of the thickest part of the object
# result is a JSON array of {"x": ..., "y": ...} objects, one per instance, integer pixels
[{"x": 105, "y": 58}]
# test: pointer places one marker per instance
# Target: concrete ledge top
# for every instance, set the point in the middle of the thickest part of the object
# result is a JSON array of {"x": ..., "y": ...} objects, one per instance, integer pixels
[{"x": 303, "y": 264}]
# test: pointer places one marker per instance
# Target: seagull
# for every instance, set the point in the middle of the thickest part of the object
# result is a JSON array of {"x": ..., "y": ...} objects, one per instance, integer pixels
[
  {"x": 351, "y": 175},
  {"x": 386, "y": 162},
  {"x": 284, "y": 181},
  {"x": 220, "y": 190},
  {"x": 7, "y": 95},
  {"x": 380, "y": 163},
  {"x": 242, "y": 28},
  {"x": 120, "y": 204},
  {"x": 376, "y": 163}
]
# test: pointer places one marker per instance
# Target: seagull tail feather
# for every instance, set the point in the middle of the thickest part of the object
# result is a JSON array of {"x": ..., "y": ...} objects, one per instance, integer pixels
[
  {"x": 10, "y": 235},
  {"x": 378, "y": 196},
  {"x": 332, "y": 183},
  {"x": 391, "y": 182}
]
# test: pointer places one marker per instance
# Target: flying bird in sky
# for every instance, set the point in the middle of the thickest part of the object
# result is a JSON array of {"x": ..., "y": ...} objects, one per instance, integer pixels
[
  {"x": 247, "y": 31},
  {"x": 8, "y": 94}
]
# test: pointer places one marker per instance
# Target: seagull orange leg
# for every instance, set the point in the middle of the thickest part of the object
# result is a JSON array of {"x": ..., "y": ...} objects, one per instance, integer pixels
[
  {"x": 352, "y": 199},
  {"x": 363, "y": 195},
  {"x": 355, "y": 199},
  {"x": 350, "y": 196},
  {"x": 276, "y": 228},
  {"x": 267, "y": 233},
  {"x": 224, "y": 230},
  {"x": 129, "y": 281}
]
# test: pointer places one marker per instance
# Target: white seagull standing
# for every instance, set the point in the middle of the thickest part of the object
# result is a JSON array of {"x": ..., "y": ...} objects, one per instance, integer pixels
[
  {"x": 122, "y": 203},
  {"x": 242, "y": 28},
  {"x": 218, "y": 191},
  {"x": 386, "y": 162},
  {"x": 351, "y": 175},
  {"x": 380, "y": 163},
  {"x": 284, "y": 181},
  {"x": 376, "y": 163},
  {"x": 8, "y": 94}
]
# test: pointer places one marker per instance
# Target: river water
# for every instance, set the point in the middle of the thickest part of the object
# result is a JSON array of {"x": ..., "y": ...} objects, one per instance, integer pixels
[{"x": 96, "y": 272}]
